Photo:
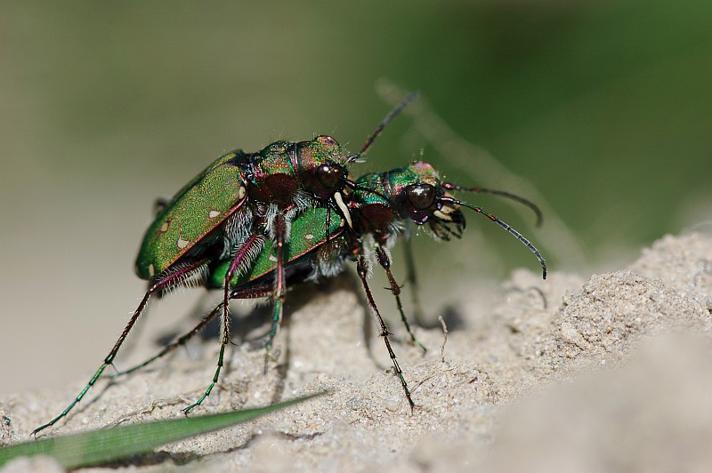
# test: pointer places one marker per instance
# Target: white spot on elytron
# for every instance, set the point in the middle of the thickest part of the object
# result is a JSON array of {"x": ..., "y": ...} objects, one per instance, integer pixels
[
  {"x": 164, "y": 227},
  {"x": 213, "y": 214},
  {"x": 273, "y": 258},
  {"x": 241, "y": 192},
  {"x": 309, "y": 237},
  {"x": 151, "y": 270},
  {"x": 344, "y": 210},
  {"x": 182, "y": 243}
]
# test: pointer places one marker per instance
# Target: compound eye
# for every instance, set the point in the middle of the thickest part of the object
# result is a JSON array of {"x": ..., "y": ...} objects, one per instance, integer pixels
[
  {"x": 330, "y": 175},
  {"x": 421, "y": 196}
]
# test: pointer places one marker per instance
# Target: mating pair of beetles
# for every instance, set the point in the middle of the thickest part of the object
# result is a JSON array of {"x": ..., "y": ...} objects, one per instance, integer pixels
[{"x": 252, "y": 223}]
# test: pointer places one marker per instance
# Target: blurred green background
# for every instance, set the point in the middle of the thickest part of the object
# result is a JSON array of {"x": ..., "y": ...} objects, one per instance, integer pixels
[{"x": 104, "y": 106}]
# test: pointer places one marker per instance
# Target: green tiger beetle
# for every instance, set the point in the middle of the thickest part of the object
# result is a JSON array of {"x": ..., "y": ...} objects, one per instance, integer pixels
[
  {"x": 256, "y": 234},
  {"x": 229, "y": 212},
  {"x": 380, "y": 208}
]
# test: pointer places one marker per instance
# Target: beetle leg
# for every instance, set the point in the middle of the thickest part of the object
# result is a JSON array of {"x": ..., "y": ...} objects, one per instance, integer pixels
[
  {"x": 278, "y": 296},
  {"x": 157, "y": 286},
  {"x": 385, "y": 262},
  {"x": 362, "y": 270},
  {"x": 242, "y": 255},
  {"x": 250, "y": 293},
  {"x": 411, "y": 277}
]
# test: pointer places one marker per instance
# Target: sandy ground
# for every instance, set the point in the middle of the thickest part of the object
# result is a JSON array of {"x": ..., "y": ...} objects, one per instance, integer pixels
[{"x": 606, "y": 374}]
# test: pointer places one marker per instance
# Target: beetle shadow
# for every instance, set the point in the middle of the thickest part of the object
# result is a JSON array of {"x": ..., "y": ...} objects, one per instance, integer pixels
[
  {"x": 451, "y": 315},
  {"x": 252, "y": 328},
  {"x": 454, "y": 320},
  {"x": 243, "y": 326}
]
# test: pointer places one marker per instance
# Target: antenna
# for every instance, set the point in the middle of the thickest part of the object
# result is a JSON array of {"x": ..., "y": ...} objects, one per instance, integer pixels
[{"x": 388, "y": 118}]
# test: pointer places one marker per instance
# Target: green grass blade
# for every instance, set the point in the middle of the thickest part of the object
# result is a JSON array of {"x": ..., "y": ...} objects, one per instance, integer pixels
[{"x": 105, "y": 445}]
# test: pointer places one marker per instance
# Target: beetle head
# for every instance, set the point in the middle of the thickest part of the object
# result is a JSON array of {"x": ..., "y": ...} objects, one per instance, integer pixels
[
  {"x": 419, "y": 195},
  {"x": 322, "y": 166}
]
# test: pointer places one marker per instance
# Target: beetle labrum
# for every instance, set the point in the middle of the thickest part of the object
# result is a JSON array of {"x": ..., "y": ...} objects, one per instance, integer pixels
[{"x": 228, "y": 212}]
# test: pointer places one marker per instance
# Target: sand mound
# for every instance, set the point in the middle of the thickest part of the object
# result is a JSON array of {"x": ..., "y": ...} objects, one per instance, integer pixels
[{"x": 608, "y": 374}]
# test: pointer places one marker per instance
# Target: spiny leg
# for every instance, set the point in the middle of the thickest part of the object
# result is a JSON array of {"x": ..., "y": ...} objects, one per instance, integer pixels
[
  {"x": 385, "y": 262},
  {"x": 251, "y": 293},
  {"x": 160, "y": 284},
  {"x": 241, "y": 256},
  {"x": 362, "y": 270},
  {"x": 280, "y": 230},
  {"x": 411, "y": 277}
]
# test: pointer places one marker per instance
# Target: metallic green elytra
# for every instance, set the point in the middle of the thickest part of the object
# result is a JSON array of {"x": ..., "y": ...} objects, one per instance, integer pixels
[
  {"x": 284, "y": 174},
  {"x": 195, "y": 211},
  {"x": 307, "y": 235}
]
